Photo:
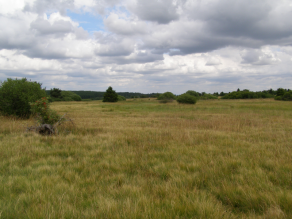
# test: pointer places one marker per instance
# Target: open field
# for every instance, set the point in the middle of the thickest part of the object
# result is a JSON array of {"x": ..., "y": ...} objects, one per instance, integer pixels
[{"x": 143, "y": 159}]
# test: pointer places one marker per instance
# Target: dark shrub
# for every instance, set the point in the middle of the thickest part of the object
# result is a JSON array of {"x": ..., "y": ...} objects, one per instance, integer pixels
[
  {"x": 187, "y": 99},
  {"x": 56, "y": 93},
  {"x": 15, "y": 96}
]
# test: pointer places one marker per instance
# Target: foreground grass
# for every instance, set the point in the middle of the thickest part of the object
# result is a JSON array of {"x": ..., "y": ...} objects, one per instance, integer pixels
[{"x": 142, "y": 159}]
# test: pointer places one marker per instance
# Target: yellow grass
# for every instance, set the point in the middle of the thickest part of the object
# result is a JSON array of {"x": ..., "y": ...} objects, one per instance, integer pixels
[{"x": 143, "y": 159}]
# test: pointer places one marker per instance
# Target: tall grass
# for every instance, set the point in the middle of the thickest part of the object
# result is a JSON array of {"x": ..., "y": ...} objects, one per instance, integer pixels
[{"x": 143, "y": 159}]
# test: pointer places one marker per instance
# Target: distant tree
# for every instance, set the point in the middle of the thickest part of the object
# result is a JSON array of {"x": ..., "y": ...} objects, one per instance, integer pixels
[
  {"x": 193, "y": 93},
  {"x": 56, "y": 93},
  {"x": 110, "y": 95},
  {"x": 280, "y": 92},
  {"x": 238, "y": 89},
  {"x": 15, "y": 96}
]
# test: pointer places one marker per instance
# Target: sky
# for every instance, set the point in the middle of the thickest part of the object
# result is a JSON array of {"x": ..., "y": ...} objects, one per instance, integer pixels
[{"x": 148, "y": 46}]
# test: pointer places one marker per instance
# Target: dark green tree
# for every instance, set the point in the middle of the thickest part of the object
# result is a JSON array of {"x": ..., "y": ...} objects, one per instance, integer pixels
[
  {"x": 280, "y": 92},
  {"x": 110, "y": 95},
  {"x": 15, "y": 96},
  {"x": 193, "y": 93},
  {"x": 56, "y": 93}
]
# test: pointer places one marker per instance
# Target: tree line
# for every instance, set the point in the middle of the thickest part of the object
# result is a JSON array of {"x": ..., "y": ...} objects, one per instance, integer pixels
[{"x": 16, "y": 96}]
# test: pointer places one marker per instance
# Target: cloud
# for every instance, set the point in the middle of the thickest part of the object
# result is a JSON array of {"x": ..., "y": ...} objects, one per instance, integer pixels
[
  {"x": 149, "y": 46},
  {"x": 259, "y": 57},
  {"x": 124, "y": 26},
  {"x": 158, "y": 11}
]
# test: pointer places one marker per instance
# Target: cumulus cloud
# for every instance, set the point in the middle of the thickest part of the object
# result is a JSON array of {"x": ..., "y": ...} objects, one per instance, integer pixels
[
  {"x": 149, "y": 46},
  {"x": 158, "y": 11}
]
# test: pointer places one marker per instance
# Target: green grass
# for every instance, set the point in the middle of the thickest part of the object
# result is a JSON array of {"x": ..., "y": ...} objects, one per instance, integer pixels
[{"x": 142, "y": 159}]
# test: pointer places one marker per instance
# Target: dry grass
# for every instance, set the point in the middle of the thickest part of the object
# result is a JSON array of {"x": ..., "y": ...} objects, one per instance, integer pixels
[{"x": 143, "y": 159}]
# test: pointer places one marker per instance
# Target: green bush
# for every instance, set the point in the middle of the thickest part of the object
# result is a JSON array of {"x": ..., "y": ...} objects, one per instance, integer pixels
[
  {"x": 15, "y": 96},
  {"x": 56, "y": 93},
  {"x": 280, "y": 92},
  {"x": 208, "y": 97},
  {"x": 187, "y": 99},
  {"x": 64, "y": 95},
  {"x": 43, "y": 112},
  {"x": 166, "y": 95},
  {"x": 287, "y": 96},
  {"x": 110, "y": 95},
  {"x": 193, "y": 93},
  {"x": 121, "y": 98}
]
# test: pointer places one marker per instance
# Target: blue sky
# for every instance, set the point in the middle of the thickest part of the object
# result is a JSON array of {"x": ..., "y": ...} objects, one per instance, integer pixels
[{"x": 88, "y": 21}]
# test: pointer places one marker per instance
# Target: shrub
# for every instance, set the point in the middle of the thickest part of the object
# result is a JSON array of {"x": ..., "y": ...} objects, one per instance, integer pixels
[
  {"x": 187, "y": 99},
  {"x": 121, "y": 98},
  {"x": 193, "y": 93},
  {"x": 15, "y": 96},
  {"x": 110, "y": 95},
  {"x": 280, "y": 92},
  {"x": 56, "y": 93},
  {"x": 64, "y": 96},
  {"x": 208, "y": 97},
  {"x": 167, "y": 96},
  {"x": 287, "y": 96},
  {"x": 44, "y": 114}
]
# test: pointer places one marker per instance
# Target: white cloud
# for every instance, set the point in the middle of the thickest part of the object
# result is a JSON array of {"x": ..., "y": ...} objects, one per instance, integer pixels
[{"x": 149, "y": 46}]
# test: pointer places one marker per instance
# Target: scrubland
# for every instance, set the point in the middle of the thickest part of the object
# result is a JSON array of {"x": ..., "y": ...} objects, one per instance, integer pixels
[{"x": 143, "y": 159}]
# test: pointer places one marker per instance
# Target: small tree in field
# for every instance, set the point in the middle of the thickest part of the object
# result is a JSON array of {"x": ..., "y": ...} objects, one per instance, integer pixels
[
  {"x": 15, "y": 96},
  {"x": 110, "y": 95}
]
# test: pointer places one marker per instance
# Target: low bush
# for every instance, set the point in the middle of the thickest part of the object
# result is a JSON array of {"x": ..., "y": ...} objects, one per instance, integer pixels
[
  {"x": 208, "y": 97},
  {"x": 186, "y": 99},
  {"x": 166, "y": 97},
  {"x": 121, "y": 98},
  {"x": 43, "y": 113}
]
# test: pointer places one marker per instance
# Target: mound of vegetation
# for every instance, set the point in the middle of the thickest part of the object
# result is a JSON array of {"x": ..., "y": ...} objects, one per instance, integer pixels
[
  {"x": 59, "y": 95},
  {"x": 121, "y": 98},
  {"x": 15, "y": 96},
  {"x": 166, "y": 97},
  {"x": 201, "y": 96},
  {"x": 283, "y": 94},
  {"x": 186, "y": 99},
  {"x": 246, "y": 94},
  {"x": 207, "y": 97}
]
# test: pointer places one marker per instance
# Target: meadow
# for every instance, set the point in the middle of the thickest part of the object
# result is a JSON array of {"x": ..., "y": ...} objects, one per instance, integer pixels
[{"x": 143, "y": 159}]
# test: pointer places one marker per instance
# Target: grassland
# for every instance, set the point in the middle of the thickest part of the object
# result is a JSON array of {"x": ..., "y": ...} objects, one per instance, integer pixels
[{"x": 143, "y": 159}]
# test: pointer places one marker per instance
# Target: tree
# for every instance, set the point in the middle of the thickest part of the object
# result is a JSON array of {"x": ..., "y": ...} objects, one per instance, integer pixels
[
  {"x": 193, "y": 93},
  {"x": 110, "y": 95},
  {"x": 15, "y": 96},
  {"x": 56, "y": 93},
  {"x": 280, "y": 92}
]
